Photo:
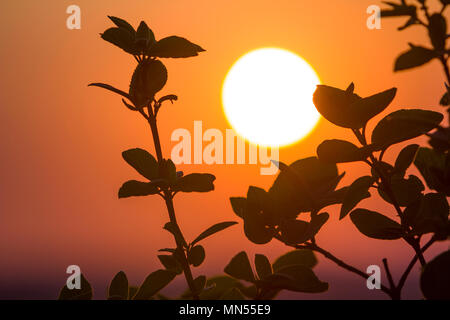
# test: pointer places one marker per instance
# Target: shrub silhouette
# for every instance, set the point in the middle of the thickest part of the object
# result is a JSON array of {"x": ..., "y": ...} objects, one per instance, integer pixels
[
  {"x": 293, "y": 210},
  {"x": 162, "y": 179},
  {"x": 309, "y": 185}
]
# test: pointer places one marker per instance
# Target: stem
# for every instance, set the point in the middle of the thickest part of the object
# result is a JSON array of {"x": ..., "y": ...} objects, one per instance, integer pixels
[
  {"x": 168, "y": 197},
  {"x": 405, "y": 275},
  {"x": 415, "y": 244},
  {"x": 341, "y": 263}
]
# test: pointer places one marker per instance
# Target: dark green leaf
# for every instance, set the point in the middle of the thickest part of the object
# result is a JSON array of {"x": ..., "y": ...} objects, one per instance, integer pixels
[
  {"x": 263, "y": 266},
  {"x": 142, "y": 161},
  {"x": 195, "y": 182},
  {"x": 238, "y": 204},
  {"x": 135, "y": 188},
  {"x": 84, "y": 293},
  {"x": 435, "y": 278},
  {"x": 340, "y": 151},
  {"x": 406, "y": 158},
  {"x": 174, "y": 47},
  {"x": 118, "y": 289},
  {"x": 296, "y": 257},
  {"x": 149, "y": 77},
  {"x": 403, "y": 125},
  {"x": 196, "y": 256},
  {"x": 240, "y": 268},
  {"x": 374, "y": 225},
  {"x": 414, "y": 57},
  {"x": 213, "y": 229},
  {"x": 357, "y": 191},
  {"x": 121, "y": 38},
  {"x": 154, "y": 283}
]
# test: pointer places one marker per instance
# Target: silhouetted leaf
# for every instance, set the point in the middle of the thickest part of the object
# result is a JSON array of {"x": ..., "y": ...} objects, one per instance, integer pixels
[
  {"x": 170, "y": 97},
  {"x": 300, "y": 183},
  {"x": 174, "y": 231},
  {"x": 438, "y": 31},
  {"x": 403, "y": 125},
  {"x": 174, "y": 47},
  {"x": 196, "y": 255},
  {"x": 294, "y": 232},
  {"x": 240, "y": 268},
  {"x": 263, "y": 266},
  {"x": 218, "y": 286},
  {"x": 142, "y": 161},
  {"x": 358, "y": 191},
  {"x": 110, "y": 88},
  {"x": 144, "y": 37},
  {"x": 238, "y": 204},
  {"x": 199, "y": 284},
  {"x": 135, "y": 188},
  {"x": 213, "y": 229},
  {"x": 84, "y": 293},
  {"x": 374, "y": 225},
  {"x": 122, "y": 24},
  {"x": 405, "y": 158},
  {"x": 445, "y": 100},
  {"x": 118, "y": 289},
  {"x": 170, "y": 263},
  {"x": 435, "y": 278},
  {"x": 296, "y": 257},
  {"x": 296, "y": 278},
  {"x": 340, "y": 151},
  {"x": 255, "y": 230},
  {"x": 432, "y": 165},
  {"x": 149, "y": 77},
  {"x": 195, "y": 182},
  {"x": 317, "y": 222},
  {"x": 121, "y": 38},
  {"x": 132, "y": 290},
  {"x": 154, "y": 283},
  {"x": 398, "y": 10},
  {"x": 232, "y": 294},
  {"x": 431, "y": 215},
  {"x": 406, "y": 191},
  {"x": 416, "y": 56},
  {"x": 347, "y": 109}
]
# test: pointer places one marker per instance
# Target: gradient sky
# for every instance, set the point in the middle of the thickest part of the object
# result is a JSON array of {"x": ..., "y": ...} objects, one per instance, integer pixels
[{"x": 61, "y": 141}]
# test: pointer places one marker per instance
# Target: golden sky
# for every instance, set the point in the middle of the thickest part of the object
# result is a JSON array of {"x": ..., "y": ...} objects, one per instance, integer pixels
[{"x": 61, "y": 141}]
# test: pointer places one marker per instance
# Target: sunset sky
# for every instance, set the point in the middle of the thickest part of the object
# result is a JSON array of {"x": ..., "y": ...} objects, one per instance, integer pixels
[{"x": 61, "y": 141}]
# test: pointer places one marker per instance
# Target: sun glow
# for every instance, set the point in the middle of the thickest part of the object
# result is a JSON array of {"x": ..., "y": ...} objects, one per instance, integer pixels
[{"x": 267, "y": 97}]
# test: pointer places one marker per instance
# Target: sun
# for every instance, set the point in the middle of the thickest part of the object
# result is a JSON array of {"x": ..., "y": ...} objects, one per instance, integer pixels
[{"x": 267, "y": 97}]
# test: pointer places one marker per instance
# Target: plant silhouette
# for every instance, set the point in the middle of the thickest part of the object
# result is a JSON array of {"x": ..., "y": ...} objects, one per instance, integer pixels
[
  {"x": 307, "y": 186},
  {"x": 293, "y": 210},
  {"x": 162, "y": 179}
]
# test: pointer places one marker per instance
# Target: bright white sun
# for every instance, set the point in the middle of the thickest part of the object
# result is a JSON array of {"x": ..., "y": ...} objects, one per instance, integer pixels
[{"x": 267, "y": 97}]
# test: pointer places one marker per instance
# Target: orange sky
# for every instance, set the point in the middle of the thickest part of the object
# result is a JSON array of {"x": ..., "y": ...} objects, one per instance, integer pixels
[{"x": 61, "y": 141}]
